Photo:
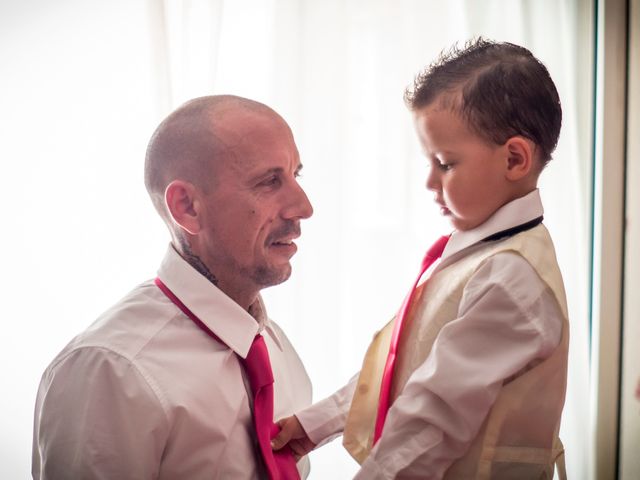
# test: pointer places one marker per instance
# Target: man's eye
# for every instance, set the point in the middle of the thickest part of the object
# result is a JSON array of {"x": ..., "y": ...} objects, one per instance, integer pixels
[
  {"x": 271, "y": 181},
  {"x": 444, "y": 166}
]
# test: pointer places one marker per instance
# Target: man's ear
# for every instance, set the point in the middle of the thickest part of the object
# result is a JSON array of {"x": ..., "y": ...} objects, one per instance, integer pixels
[
  {"x": 183, "y": 205},
  {"x": 520, "y": 157}
]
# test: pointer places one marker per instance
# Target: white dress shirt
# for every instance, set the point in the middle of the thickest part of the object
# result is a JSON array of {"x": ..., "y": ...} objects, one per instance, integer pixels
[
  {"x": 508, "y": 320},
  {"x": 144, "y": 393}
]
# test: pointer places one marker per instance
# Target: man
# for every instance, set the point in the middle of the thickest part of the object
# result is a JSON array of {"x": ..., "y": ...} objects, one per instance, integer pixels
[{"x": 158, "y": 386}]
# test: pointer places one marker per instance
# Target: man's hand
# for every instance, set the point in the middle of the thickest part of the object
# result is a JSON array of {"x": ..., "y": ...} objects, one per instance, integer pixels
[{"x": 292, "y": 433}]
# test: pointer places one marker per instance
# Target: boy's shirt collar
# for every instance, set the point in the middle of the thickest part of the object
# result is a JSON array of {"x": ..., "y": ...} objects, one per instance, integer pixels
[{"x": 516, "y": 212}]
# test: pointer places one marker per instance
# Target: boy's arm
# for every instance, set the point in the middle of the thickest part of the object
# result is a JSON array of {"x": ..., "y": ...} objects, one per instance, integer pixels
[
  {"x": 507, "y": 320},
  {"x": 319, "y": 423}
]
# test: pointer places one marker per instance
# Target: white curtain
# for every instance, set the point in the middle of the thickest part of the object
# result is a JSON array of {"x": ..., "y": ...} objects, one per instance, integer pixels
[{"x": 84, "y": 83}]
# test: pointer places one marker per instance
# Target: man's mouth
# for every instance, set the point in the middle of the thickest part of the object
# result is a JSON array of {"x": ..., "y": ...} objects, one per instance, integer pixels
[
  {"x": 285, "y": 235},
  {"x": 282, "y": 242},
  {"x": 285, "y": 247}
]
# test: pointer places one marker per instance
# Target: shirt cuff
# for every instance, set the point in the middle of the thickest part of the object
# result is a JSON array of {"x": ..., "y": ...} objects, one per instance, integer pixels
[{"x": 323, "y": 421}]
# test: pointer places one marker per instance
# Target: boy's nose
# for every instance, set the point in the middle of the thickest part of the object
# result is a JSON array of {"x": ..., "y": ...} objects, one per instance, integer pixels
[{"x": 433, "y": 180}]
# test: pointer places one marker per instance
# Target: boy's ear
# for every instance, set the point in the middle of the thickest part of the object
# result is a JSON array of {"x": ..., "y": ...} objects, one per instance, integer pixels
[
  {"x": 520, "y": 157},
  {"x": 183, "y": 205}
]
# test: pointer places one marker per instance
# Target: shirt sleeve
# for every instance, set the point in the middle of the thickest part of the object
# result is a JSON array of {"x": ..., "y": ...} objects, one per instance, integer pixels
[
  {"x": 508, "y": 319},
  {"x": 324, "y": 420},
  {"x": 97, "y": 417}
]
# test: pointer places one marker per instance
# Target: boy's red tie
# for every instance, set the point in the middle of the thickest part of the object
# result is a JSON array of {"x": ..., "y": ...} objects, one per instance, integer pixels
[{"x": 434, "y": 252}]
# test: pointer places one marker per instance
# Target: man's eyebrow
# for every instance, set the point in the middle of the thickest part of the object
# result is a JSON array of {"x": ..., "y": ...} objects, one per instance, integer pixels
[
  {"x": 273, "y": 170},
  {"x": 277, "y": 171}
]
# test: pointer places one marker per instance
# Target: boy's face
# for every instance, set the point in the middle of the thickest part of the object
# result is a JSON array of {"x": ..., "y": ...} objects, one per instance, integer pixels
[{"x": 467, "y": 173}]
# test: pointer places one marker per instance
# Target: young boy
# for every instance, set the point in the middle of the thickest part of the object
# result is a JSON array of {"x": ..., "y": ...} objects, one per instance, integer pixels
[{"x": 478, "y": 385}]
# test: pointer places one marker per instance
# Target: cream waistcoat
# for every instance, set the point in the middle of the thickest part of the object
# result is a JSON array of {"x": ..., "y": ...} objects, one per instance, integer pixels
[{"x": 519, "y": 437}]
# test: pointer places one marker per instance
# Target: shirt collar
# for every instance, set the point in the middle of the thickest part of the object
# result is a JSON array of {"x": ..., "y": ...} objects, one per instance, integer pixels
[
  {"x": 225, "y": 318},
  {"x": 516, "y": 212}
]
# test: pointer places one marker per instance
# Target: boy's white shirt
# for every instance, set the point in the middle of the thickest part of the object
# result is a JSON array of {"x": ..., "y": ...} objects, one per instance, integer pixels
[{"x": 453, "y": 390}]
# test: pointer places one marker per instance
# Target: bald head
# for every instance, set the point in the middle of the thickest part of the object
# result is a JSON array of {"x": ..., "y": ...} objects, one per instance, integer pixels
[{"x": 189, "y": 143}]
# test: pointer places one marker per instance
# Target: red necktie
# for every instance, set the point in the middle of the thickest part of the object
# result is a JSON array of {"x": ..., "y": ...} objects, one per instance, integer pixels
[
  {"x": 280, "y": 465},
  {"x": 385, "y": 387}
]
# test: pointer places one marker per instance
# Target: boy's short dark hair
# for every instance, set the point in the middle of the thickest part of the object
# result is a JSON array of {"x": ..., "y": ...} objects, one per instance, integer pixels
[{"x": 500, "y": 89}]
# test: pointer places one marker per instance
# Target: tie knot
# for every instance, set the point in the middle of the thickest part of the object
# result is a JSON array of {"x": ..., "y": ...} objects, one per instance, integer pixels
[
  {"x": 257, "y": 364},
  {"x": 434, "y": 252}
]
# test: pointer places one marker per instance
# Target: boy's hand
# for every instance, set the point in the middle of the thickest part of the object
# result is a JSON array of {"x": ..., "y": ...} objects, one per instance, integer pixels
[{"x": 293, "y": 434}]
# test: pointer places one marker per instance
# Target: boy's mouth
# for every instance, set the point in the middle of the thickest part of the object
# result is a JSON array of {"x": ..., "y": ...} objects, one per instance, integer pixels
[{"x": 443, "y": 208}]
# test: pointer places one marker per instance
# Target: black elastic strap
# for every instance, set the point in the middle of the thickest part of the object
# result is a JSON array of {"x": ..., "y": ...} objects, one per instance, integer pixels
[{"x": 510, "y": 232}]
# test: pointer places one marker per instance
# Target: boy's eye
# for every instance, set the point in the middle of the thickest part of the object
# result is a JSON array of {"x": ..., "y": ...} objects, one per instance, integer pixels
[
  {"x": 444, "y": 166},
  {"x": 441, "y": 164}
]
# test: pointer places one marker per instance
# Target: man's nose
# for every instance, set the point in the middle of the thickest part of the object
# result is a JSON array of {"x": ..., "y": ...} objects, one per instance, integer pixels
[{"x": 298, "y": 204}]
